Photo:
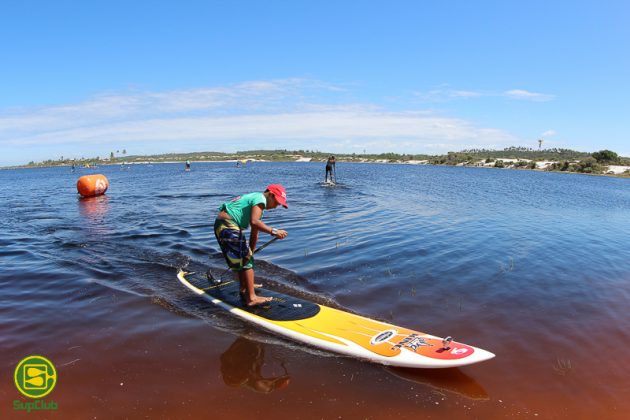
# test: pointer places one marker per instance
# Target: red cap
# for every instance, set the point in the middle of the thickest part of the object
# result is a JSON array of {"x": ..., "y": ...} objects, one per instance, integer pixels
[{"x": 279, "y": 193}]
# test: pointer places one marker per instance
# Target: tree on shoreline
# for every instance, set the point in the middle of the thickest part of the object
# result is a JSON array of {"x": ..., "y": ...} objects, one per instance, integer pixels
[
  {"x": 466, "y": 157},
  {"x": 606, "y": 156}
]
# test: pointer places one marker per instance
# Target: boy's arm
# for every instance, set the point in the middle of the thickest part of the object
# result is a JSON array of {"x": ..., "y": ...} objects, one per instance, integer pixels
[
  {"x": 259, "y": 225},
  {"x": 253, "y": 238}
]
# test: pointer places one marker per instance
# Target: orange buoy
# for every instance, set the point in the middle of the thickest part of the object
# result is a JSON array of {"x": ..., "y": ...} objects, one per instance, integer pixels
[{"x": 92, "y": 185}]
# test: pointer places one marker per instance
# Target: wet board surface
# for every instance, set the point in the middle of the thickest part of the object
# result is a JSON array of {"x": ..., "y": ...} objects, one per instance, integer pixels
[
  {"x": 282, "y": 308},
  {"x": 338, "y": 331}
]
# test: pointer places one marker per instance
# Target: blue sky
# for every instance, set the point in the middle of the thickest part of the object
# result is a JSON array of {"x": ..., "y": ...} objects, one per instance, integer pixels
[{"x": 82, "y": 78}]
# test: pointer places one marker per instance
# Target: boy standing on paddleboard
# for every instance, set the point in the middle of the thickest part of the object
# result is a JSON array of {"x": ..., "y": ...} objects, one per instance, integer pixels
[{"x": 234, "y": 217}]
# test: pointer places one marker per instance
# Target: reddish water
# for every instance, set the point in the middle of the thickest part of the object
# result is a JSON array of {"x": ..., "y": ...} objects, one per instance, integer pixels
[{"x": 546, "y": 287}]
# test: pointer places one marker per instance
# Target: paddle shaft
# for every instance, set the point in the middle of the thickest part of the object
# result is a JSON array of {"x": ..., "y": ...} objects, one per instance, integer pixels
[{"x": 266, "y": 244}]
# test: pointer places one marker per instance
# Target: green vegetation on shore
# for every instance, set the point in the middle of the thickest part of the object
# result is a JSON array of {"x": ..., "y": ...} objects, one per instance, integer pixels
[{"x": 563, "y": 160}]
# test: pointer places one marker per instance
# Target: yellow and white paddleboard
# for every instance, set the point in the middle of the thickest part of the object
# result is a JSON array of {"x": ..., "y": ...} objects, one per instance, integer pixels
[{"x": 339, "y": 331}]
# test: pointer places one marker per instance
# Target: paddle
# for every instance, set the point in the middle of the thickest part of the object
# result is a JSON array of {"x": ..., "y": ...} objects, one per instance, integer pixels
[
  {"x": 266, "y": 244},
  {"x": 36, "y": 376},
  {"x": 260, "y": 248}
]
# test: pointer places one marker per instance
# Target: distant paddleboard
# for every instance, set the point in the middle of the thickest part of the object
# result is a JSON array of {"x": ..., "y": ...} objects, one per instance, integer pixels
[{"x": 339, "y": 331}]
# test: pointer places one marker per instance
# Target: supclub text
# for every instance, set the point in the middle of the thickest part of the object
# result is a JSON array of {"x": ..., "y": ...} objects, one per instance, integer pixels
[{"x": 36, "y": 405}]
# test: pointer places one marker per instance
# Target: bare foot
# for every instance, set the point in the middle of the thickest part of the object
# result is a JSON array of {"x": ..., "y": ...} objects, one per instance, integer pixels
[{"x": 259, "y": 300}]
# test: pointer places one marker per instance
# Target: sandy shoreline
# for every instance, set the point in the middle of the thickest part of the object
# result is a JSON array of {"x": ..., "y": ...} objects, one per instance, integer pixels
[{"x": 509, "y": 162}]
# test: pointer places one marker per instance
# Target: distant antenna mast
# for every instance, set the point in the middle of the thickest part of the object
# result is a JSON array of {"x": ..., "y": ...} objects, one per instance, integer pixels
[{"x": 540, "y": 142}]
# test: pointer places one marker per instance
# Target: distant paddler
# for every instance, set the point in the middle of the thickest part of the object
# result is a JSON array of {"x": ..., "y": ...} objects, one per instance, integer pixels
[
  {"x": 331, "y": 169},
  {"x": 187, "y": 166}
]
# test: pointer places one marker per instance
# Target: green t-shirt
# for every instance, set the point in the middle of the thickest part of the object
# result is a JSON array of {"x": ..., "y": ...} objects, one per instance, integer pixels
[{"x": 240, "y": 209}]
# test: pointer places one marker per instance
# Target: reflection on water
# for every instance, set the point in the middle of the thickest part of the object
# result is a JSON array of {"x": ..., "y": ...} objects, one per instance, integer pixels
[
  {"x": 531, "y": 266},
  {"x": 242, "y": 365},
  {"x": 450, "y": 380},
  {"x": 94, "y": 209}
]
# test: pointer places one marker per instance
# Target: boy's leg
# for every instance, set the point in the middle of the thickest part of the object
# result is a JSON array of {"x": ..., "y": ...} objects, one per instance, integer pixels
[
  {"x": 246, "y": 279},
  {"x": 243, "y": 285}
]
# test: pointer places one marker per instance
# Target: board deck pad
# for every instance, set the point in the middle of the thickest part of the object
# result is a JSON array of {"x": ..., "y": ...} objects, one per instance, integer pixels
[
  {"x": 281, "y": 308},
  {"x": 336, "y": 330}
]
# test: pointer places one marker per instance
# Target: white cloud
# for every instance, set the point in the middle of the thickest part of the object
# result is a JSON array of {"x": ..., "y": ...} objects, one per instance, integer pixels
[
  {"x": 443, "y": 94},
  {"x": 548, "y": 133},
  {"x": 465, "y": 94},
  {"x": 265, "y": 114},
  {"x": 359, "y": 125},
  {"x": 527, "y": 95}
]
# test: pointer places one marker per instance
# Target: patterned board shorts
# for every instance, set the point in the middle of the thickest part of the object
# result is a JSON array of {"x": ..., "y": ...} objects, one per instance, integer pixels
[{"x": 233, "y": 245}]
